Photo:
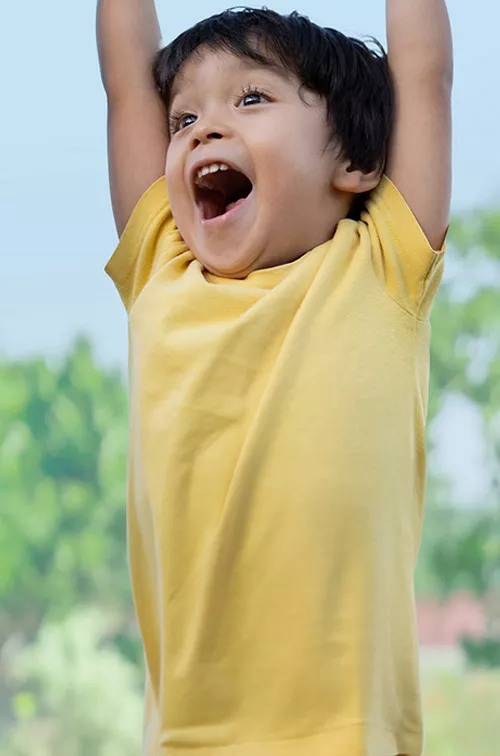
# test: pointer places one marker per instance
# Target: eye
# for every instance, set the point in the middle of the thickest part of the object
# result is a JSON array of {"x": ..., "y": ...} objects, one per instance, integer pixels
[
  {"x": 253, "y": 96},
  {"x": 179, "y": 121}
]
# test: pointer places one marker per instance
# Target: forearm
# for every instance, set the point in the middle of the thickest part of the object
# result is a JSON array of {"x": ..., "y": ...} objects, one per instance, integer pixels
[
  {"x": 128, "y": 37},
  {"x": 419, "y": 39}
]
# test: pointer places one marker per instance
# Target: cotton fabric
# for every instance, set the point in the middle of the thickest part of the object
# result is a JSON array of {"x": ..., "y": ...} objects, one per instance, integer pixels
[{"x": 276, "y": 486}]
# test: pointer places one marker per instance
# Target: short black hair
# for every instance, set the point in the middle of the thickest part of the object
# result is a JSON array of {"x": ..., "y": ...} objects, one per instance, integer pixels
[{"x": 352, "y": 78}]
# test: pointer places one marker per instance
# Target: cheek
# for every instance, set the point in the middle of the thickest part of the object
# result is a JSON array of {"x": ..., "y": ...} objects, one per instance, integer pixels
[
  {"x": 176, "y": 186},
  {"x": 174, "y": 168},
  {"x": 291, "y": 176},
  {"x": 170, "y": 173},
  {"x": 290, "y": 155}
]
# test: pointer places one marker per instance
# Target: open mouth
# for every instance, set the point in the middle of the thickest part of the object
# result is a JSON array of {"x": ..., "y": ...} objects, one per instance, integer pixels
[{"x": 219, "y": 188}]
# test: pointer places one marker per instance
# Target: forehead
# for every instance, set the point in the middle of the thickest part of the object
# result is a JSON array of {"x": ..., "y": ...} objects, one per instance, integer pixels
[{"x": 205, "y": 64}]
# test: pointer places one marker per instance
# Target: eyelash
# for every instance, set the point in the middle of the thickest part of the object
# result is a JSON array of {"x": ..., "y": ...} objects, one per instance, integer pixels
[
  {"x": 176, "y": 117},
  {"x": 252, "y": 91}
]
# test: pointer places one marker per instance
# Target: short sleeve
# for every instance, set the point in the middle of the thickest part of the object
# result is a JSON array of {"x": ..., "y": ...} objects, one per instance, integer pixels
[
  {"x": 407, "y": 267},
  {"x": 149, "y": 239}
]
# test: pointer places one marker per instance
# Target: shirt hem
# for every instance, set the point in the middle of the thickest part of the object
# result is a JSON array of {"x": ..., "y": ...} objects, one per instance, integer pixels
[{"x": 351, "y": 740}]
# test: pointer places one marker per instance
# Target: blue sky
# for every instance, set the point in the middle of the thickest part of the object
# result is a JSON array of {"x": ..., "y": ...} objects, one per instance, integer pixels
[
  {"x": 56, "y": 218},
  {"x": 56, "y": 215}
]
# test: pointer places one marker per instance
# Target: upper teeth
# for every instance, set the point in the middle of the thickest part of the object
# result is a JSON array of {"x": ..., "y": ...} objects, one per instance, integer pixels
[{"x": 212, "y": 168}]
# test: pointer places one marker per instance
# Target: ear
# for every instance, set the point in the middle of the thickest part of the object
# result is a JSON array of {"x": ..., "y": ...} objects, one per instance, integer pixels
[{"x": 347, "y": 179}]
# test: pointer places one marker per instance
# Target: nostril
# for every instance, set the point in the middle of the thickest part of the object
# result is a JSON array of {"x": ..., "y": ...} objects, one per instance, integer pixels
[{"x": 206, "y": 138}]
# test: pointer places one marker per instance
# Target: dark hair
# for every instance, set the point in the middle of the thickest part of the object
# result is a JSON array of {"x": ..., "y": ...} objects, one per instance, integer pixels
[{"x": 353, "y": 79}]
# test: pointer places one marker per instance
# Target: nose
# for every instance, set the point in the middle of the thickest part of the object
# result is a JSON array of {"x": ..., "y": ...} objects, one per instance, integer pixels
[{"x": 206, "y": 131}]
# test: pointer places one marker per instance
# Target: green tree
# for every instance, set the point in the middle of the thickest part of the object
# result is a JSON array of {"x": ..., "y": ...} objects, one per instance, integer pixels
[
  {"x": 466, "y": 324},
  {"x": 462, "y": 550},
  {"x": 63, "y": 447},
  {"x": 75, "y": 694}
]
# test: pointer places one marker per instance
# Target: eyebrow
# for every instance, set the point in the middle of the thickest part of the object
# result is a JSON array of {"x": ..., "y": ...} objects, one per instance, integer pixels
[
  {"x": 247, "y": 64},
  {"x": 176, "y": 86}
]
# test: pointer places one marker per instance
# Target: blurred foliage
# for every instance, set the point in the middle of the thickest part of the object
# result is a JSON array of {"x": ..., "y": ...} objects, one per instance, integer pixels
[
  {"x": 70, "y": 657},
  {"x": 73, "y": 693},
  {"x": 466, "y": 318},
  {"x": 482, "y": 653},
  {"x": 461, "y": 549},
  {"x": 63, "y": 447},
  {"x": 461, "y": 712}
]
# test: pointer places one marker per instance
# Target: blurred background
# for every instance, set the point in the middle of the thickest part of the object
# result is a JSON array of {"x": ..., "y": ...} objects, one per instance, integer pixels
[{"x": 71, "y": 675}]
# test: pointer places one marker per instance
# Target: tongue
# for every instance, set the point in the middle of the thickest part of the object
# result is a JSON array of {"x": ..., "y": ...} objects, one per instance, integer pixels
[
  {"x": 235, "y": 204},
  {"x": 212, "y": 205}
]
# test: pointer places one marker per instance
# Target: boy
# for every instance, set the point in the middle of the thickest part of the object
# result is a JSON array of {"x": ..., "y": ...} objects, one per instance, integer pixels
[{"x": 278, "y": 260}]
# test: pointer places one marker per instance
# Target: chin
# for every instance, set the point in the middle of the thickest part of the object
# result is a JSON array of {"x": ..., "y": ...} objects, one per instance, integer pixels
[
  {"x": 227, "y": 272},
  {"x": 224, "y": 267}
]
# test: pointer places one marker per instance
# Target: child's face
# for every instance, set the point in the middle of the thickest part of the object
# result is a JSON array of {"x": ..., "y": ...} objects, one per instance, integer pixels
[{"x": 225, "y": 110}]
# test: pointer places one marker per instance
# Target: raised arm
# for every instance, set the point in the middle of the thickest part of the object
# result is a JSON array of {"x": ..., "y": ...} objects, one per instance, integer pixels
[
  {"x": 421, "y": 61},
  {"x": 128, "y": 37}
]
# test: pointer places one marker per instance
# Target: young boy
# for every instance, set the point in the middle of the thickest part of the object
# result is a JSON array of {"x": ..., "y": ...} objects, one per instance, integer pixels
[{"x": 282, "y": 202}]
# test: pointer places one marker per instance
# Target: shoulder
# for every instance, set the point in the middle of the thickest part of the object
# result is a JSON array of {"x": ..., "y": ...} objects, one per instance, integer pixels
[
  {"x": 149, "y": 237},
  {"x": 407, "y": 266}
]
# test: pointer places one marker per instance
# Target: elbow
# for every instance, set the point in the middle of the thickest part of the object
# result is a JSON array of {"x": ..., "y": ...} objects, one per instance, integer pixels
[
  {"x": 436, "y": 75},
  {"x": 441, "y": 70},
  {"x": 441, "y": 79},
  {"x": 424, "y": 65}
]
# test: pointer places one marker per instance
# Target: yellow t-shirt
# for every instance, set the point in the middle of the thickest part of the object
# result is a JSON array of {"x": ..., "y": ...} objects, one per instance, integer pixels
[{"x": 276, "y": 487}]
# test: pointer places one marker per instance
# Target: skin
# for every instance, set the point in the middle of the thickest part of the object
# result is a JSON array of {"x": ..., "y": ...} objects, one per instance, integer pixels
[{"x": 279, "y": 137}]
